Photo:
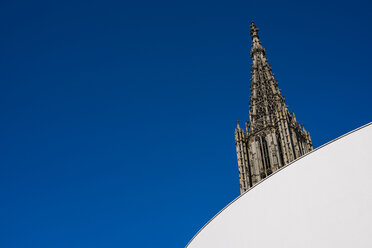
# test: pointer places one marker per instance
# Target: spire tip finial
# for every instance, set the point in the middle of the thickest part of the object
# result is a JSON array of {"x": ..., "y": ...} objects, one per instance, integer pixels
[{"x": 254, "y": 29}]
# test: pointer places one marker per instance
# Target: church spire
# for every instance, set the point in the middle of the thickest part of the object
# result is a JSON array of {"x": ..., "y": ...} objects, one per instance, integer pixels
[
  {"x": 273, "y": 137},
  {"x": 264, "y": 88}
]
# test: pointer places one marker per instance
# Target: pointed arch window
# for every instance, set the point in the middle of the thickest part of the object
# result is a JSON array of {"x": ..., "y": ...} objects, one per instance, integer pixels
[
  {"x": 266, "y": 154},
  {"x": 280, "y": 148},
  {"x": 264, "y": 151}
]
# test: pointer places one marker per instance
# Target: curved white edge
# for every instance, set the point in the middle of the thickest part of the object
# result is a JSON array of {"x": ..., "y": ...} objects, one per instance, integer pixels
[{"x": 320, "y": 147}]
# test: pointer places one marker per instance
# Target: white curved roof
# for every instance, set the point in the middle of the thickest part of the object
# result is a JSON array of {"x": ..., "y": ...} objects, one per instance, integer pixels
[{"x": 323, "y": 199}]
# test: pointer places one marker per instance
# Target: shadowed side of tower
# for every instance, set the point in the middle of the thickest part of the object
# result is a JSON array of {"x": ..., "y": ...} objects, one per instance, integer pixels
[{"x": 273, "y": 137}]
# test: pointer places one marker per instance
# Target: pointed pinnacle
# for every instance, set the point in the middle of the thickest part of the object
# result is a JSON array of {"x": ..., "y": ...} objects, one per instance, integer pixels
[
  {"x": 254, "y": 30},
  {"x": 303, "y": 127}
]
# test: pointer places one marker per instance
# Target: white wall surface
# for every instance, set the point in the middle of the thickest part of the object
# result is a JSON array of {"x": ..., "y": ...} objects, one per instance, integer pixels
[{"x": 323, "y": 199}]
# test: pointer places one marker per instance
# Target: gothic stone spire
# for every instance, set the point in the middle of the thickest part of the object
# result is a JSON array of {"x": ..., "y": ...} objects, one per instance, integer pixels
[{"x": 273, "y": 137}]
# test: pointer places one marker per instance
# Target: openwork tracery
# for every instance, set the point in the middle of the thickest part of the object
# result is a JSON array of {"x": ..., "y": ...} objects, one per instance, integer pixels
[{"x": 273, "y": 137}]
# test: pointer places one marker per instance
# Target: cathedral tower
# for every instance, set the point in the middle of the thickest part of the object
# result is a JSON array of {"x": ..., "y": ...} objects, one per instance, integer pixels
[{"x": 273, "y": 137}]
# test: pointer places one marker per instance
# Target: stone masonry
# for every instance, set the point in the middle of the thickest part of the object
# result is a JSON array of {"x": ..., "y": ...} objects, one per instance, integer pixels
[{"x": 273, "y": 137}]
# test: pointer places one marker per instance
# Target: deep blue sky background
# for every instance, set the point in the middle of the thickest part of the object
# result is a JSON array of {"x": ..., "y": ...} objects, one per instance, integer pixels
[{"x": 117, "y": 117}]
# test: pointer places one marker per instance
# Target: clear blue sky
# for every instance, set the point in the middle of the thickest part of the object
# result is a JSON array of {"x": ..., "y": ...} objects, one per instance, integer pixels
[{"x": 118, "y": 117}]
